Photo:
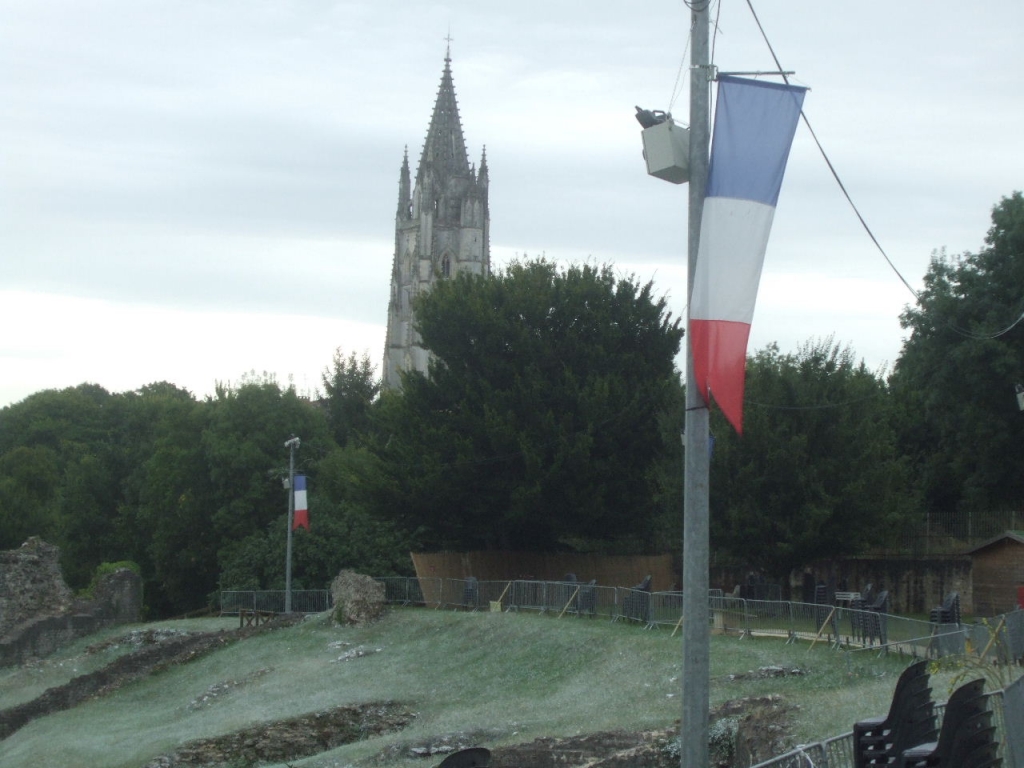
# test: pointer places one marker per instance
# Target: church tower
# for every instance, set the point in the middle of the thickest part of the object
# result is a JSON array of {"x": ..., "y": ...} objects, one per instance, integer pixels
[{"x": 442, "y": 228}]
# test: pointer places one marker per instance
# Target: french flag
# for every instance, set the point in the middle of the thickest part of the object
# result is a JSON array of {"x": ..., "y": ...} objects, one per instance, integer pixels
[
  {"x": 301, "y": 518},
  {"x": 754, "y": 126}
]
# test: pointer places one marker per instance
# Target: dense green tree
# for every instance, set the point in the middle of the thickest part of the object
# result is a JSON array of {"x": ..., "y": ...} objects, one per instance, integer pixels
[
  {"x": 167, "y": 522},
  {"x": 954, "y": 380},
  {"x": 29, "y": 495},
  {"x": 350, "y": 386},
  {"x": 57, "y": 419},
  {"x": 537, "y": 424},
  {"x": 815, "y": 473},
  {"x": 185, "y": 488},
  {"x": 75, "y": 429},
  {"x": 340, "y": 536},
  {"x": 243, "y": 447}
]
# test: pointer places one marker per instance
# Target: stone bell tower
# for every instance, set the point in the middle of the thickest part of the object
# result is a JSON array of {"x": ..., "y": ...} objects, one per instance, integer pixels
[{"x": 442, "y": 228}]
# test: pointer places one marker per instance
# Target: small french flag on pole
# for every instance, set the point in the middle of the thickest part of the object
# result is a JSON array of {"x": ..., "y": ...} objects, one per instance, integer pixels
[
  {"x": 301, "y": 519},
  {"x": 754, "y": 126}
]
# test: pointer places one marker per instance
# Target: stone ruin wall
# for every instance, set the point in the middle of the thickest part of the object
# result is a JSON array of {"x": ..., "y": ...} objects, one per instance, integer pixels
[
  {"x": 39, "y": 613},
  {"x": 31, "y": 584}
]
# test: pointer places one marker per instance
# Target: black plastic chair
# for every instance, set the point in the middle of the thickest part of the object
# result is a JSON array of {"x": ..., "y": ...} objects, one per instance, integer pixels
[
  {"x": 910, "y": 721},
  {"x": 966, "y": 737}
]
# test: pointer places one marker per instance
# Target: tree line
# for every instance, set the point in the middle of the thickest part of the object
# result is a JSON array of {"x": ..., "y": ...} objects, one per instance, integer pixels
[{"x": 550, "y": 419}]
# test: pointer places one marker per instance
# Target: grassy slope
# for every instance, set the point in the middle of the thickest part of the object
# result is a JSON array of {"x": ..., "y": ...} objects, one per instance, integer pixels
[{"x": 524, "y": 676}]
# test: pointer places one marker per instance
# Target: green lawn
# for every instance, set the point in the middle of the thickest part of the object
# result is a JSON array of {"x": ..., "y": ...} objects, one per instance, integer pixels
[{"x": 514, "y": 676}]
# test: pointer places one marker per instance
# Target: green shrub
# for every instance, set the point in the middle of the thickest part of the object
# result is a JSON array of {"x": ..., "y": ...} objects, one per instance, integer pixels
[{"x": 103, "y": 569}]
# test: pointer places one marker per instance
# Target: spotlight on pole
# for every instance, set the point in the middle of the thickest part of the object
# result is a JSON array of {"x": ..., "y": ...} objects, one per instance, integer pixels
[{"x": 666, "y": 145}]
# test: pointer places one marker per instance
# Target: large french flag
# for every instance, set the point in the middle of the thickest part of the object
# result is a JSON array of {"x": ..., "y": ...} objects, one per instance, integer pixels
[
  {"x": 301, "y": 518},
  {"x": 754, "y": 126}
]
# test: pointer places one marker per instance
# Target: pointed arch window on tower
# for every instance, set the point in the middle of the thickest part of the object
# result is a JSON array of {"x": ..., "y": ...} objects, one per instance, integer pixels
[{"x": 446, "y": 266}]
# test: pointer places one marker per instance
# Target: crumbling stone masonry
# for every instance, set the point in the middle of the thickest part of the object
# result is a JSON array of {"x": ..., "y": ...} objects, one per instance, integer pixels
[{"x": 39, "y": 614}]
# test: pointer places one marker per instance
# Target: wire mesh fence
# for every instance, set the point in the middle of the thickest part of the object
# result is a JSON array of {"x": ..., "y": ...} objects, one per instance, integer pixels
[
  {"x": 834, "y": 625},
  {"x": 273, "y": 601}
]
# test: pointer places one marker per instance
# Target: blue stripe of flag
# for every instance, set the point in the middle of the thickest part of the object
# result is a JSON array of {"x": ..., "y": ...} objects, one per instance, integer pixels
[{"x": 754, "y": 126}]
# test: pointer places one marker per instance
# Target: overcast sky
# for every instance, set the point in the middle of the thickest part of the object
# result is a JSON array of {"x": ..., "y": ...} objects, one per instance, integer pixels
[{"x": 193, "y": 189}]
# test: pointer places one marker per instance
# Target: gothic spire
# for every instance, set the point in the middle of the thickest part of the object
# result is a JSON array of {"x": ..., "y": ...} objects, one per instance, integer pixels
[
  {"x": 482, "y": 176},
  {"x": 404, "y": 187},
  {"x": 445, "y": 148}
]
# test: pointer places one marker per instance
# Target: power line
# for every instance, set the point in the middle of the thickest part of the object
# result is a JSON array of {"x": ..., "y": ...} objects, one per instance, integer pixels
[{"x": 849, "y": 199}]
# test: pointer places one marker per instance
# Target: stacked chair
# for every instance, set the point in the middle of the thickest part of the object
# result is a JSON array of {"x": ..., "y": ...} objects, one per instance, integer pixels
[
  {"x": 875, "y": 619},
  {"x": 967, "y": 738},
  {"x": 911, "y": 721},
  {"x": 857, "y": 607},
  {"x": 637, "y": 603},
  {"x": 948, "y": 612}
]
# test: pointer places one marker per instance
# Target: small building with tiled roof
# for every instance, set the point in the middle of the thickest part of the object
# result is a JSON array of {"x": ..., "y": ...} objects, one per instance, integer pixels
[{"x": 998, "y": 573}]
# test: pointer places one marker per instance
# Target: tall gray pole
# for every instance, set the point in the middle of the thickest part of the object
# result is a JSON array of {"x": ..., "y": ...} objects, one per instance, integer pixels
[
  {"x": 696, "y": 558},
  {"x": 291, "y": 445}
]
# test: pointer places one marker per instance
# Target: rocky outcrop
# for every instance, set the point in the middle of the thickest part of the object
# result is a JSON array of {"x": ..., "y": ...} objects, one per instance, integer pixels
[{"x": 358, "y": 599}]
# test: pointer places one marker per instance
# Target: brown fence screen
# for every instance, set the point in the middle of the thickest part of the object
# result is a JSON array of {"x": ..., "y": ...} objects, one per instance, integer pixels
[{"x": 608, "y": 570}]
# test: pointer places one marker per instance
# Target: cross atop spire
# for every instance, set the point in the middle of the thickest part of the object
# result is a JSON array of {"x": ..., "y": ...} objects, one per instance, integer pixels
[{"x": 448, "y": 46}]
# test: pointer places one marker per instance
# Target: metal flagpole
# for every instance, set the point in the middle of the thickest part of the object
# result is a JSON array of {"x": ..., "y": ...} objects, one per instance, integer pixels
[
  {"x": 291, "y": 445},
  {"x": 696, "y": 558}
]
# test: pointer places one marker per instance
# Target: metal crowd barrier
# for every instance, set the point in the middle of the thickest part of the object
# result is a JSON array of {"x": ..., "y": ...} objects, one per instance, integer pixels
[
  {"x": 272, "y": 601},
  {"x": 836, "y": 626}
]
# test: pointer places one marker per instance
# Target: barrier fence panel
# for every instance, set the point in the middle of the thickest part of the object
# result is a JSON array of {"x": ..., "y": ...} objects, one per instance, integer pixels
[
  {"x": 999, "y": 639},
  {"x": 397, "y": 589},
  {"x": 600, "y": 601},
  {"x": 231, "y": 602},
  {"x": 729, "y": 615},
  {"x": 272, "y": 601},
  {"x": 807, "y": 620},
  {"x": 528, "y": 596},
  {"x": 769, "y": 617},
  {"x": 430, "y": 591},
  {"x": 666, "y": 609},
  {"x": 839, "y": 751},
  {"x": 563, "y": 596},
  {"x": 311, "y": 600},
  {"x": 804, "y": 756},
  {"x": 459, "y": 593},
  {"x": 494, "y": 595},
  {"x": 633, "y": 605}
]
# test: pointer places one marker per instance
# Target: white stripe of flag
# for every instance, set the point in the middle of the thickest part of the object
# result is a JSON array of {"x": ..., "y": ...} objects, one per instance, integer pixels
[{"x": 301, "y": 519}]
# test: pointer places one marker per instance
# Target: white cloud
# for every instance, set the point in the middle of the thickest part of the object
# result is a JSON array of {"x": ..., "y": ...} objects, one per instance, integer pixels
[{"x": 181, "y": 163}]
